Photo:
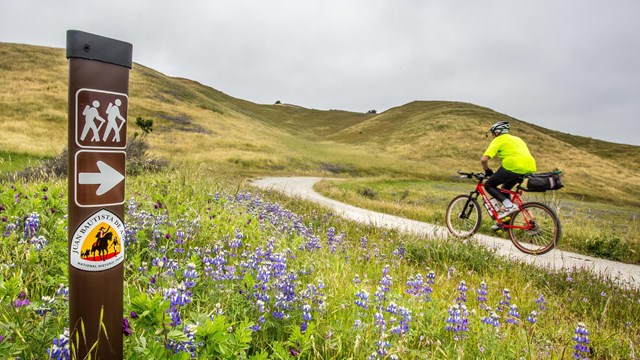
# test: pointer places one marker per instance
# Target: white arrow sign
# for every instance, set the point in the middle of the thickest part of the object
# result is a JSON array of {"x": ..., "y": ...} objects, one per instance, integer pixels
[{"x": 108, "y": 178}]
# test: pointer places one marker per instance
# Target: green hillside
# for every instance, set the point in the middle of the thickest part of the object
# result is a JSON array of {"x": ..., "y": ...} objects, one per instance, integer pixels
[{"x": 193, "y": 122}]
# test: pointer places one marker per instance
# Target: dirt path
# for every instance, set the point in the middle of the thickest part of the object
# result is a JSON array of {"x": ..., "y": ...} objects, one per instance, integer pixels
[{"x": 626, "y": 274}]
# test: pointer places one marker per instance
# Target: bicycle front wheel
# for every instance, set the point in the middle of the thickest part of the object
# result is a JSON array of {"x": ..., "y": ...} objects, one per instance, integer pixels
[
  {"x": 463, "y": 216},
  {"x": 535, "y": 229}
]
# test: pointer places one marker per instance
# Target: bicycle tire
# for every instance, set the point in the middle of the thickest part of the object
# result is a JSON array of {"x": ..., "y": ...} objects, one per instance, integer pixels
[
  {"x": 463, "y": 226},
  {"x": 545, "y": 234}
]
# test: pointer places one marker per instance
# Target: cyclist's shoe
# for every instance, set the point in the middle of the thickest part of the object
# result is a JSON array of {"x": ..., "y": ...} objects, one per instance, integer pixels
[
  {"x": 496, "y": 227},
  {"x": 508, "y": 211}
]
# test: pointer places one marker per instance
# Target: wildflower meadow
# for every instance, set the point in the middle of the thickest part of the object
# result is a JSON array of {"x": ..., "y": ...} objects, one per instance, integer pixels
[{"x": 219, "y": 270}]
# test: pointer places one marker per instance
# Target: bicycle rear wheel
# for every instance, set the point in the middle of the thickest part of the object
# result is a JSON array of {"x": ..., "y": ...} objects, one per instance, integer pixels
[
  {"x": 463, "y": 216},
  {"x": 536, "y": 229}
]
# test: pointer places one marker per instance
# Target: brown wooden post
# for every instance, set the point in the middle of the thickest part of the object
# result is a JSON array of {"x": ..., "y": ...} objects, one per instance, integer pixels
[{"x": 98, "y": 102}]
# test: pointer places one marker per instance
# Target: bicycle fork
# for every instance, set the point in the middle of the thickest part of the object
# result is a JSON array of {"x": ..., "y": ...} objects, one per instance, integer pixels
[{"x": 468, "y": 207}]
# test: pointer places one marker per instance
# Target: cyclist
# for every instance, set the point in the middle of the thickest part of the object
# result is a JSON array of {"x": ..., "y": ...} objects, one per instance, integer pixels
[{"x": 516, "y": 161}]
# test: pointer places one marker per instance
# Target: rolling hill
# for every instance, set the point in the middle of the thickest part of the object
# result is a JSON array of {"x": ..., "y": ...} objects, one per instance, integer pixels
[{"x": 193, "y": 122}]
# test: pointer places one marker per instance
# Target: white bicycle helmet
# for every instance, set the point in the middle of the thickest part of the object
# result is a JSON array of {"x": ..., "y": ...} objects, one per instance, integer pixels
[{"x": 501, "y": 127}]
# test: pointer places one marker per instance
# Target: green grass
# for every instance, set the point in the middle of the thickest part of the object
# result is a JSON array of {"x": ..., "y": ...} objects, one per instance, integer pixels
[
  {"x": 421, "y": 139},
  {"x": 11, "y": 162},
  {"x": 332, "y": 259},
  {"x": 591, "y": 228}
]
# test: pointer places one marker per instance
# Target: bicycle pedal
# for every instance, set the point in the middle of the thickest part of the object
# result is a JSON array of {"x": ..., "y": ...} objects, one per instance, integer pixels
[{"x": 496, "y": 227}]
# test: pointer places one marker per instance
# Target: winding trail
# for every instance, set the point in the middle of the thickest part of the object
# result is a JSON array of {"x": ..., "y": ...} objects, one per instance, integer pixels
[{"x": 626, "y": 275}]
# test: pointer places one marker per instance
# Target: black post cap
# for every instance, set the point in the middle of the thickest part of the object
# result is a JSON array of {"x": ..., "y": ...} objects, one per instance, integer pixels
[{"x": 94, "y": 47}]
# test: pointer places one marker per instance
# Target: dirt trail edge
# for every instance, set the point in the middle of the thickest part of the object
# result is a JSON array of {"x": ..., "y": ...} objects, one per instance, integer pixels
[{"x": 626, "y": 275}]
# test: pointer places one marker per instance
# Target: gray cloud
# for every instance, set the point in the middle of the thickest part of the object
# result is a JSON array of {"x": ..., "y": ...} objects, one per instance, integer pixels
[{"x": 571, "y": 66}]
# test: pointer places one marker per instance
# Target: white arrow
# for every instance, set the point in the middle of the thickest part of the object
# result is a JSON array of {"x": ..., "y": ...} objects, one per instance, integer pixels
[{"x": 108, "y": 177}]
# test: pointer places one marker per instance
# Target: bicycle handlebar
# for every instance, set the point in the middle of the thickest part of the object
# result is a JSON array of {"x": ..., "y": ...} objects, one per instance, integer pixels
[{"x": 479, "y": 176}]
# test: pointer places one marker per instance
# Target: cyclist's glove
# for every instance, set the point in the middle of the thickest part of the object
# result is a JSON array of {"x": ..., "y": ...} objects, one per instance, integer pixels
[{"x": 488, "y": 172}]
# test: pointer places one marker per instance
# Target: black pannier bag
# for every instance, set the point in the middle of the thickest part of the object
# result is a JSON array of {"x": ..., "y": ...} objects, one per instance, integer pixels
[{"x": 544, "y": 181}]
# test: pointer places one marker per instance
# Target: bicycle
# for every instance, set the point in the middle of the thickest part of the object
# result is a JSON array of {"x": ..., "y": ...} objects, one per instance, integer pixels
[{"x": 534, "y": 229}]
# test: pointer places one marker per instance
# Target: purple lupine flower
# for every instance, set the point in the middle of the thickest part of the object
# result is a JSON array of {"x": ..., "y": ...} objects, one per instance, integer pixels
[
  {"x": 492, "y": 319},
  {"x": 332, "y": 240},
  {"x": 363, "y": 242},
  {"x": 386, "y": 282},
  {"x": 362, "y": 299},
  {"x": 126, "y": 327},
  {"x": 414, "y": 284},
  {"x": 185, "y": 346},
  {"x": 385, "y": 270},
  {"x": 306, "y": 312},
  {"x": 313, "y": 242},
  {"x": 21, "y": 300},
  {"x": 177, "y": 297},
  {"x": 174, "y": 314},
  {"x": 418, "y": 287},
  {"x": 379, "y": 295},
  {"x": 9, "y": 229},
  {"x": 190, "y": 274},
  {"x": 403, "y": 323},
  {"x": 541, "y": 302},
  {"x": 400, "y": 251},
  {"x": 462, "y": 292},
  {"x": 581, "y": 349},
  {"x": 383, "y": 347},
  {"x": 505, "y": 303},
  {"x": 61, "y": 348},
  {"x": 532, "y": 317},
  {"x": 513, "y": 315},
  {"x": 260, "y": 306},
  {"x": 458, "y": 320},
  {"x": 180, "y": 237},
  {"x": 279, "y": 314},
  {"x": 431, "y": 277},
  {"x": 63, "y": 291},
  {"x": 40, "y": 242},
  {"x": 392, "y": 308},
  {"x": 236, "y": 242},
  {"x": 31, "y": 225},
  {"x": 482, "y": 292},
  {"x": 380, "y": 322},
  {"x": 46, "y": 307}
]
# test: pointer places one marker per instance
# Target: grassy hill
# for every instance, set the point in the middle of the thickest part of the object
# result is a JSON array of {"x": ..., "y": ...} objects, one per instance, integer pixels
[{"x": 193, "y": 122}]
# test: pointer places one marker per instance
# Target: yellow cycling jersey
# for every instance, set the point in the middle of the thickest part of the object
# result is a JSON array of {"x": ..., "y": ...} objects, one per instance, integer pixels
[{"x": 513, "y": 152}]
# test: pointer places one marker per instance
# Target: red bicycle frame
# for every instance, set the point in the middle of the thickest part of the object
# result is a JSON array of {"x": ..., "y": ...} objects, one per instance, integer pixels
[{"x": 515, "y": 198}]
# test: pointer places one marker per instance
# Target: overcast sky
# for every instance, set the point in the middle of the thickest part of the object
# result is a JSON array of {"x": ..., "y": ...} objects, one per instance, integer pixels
[{"x": 568, "y": 65}]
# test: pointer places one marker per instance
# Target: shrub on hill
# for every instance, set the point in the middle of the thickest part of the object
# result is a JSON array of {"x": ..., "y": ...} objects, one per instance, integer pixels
[{"x": 138, "y": 159}]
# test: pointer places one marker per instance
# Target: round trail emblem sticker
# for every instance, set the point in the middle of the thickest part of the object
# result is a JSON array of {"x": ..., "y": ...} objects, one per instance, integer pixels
[{"x": 97, "y": 243}]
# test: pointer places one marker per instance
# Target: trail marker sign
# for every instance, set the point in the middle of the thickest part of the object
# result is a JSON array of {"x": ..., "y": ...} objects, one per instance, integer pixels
[
  {"x": 98, "y": 104},
  {"x": 101, "y": 119},
  {"x": 99, "y": 179}
]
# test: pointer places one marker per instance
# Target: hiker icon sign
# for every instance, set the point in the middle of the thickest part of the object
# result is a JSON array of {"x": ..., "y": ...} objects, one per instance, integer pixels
[{"x": 101, "y": 119}]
